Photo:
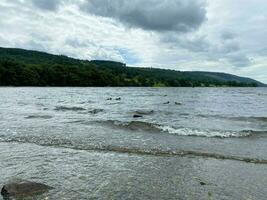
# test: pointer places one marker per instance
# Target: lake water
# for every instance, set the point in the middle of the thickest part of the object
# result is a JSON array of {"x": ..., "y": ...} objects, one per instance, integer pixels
[{"x": 190, "y": 143}]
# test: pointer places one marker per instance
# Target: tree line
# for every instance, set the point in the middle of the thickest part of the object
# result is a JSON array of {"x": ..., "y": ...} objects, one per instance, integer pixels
[{"x": 29, "y": 68}]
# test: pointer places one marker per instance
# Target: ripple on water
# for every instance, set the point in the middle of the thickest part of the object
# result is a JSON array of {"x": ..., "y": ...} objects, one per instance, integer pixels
[
  {"x": 39, "y": 117},
  {"x": 66, "y": 108}
]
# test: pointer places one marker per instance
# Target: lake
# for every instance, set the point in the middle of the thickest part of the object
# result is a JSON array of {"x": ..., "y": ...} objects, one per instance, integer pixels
[{"x": 136, "y": 143}]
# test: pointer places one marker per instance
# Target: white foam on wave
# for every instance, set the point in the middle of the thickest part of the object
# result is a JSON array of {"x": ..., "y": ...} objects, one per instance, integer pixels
[
  {"x": 202, "y": 133},
  {"x": 183, "y": 131}
]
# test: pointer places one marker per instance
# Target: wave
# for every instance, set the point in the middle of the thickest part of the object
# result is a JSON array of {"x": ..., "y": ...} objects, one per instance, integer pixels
[
  {"x": 65, "y": 108},
  {"x": 132, "y": 125},
  {"x": 144, "y": 112},
  {"x": 180, "y": 131},
  {"x": 204, "y": 133},
  {"x": 263, "y": 119},
  {"x": 241, "y": 118},
  {"x": 64, "y": 143},
  {"x": 39, "y": 117},
  {"x": 75, "y": 122},
  {"x": 211, "y": 133}
]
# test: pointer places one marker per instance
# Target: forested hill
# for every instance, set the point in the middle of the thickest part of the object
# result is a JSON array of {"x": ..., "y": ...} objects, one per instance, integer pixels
[{"x": 20, "y": 67}]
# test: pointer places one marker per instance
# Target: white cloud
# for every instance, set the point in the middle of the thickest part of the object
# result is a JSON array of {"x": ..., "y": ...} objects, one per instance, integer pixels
[{"x": 222, "y": 35}]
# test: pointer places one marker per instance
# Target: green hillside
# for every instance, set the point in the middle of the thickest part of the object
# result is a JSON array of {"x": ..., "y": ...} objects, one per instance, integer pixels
[{"x": 20, "y": 67}]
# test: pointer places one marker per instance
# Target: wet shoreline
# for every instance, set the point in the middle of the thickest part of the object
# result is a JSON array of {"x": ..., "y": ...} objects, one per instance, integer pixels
[{"x": 112, "y": 175}]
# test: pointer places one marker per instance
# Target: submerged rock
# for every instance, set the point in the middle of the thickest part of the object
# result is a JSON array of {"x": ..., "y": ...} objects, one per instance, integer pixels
[
  {"x": 115, "y": 99},
  {"x": 202, "y": 183},
  {"x": 95, "y": 111},
  {"x": 22, "y": 189},
  {"x": 137, "y": 116}
]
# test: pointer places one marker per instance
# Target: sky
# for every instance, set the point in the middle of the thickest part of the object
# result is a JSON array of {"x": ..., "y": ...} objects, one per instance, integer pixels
[{"x": 188, "y": 35}]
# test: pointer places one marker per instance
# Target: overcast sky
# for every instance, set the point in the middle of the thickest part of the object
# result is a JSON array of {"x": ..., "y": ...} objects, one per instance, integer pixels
[{"x": 205, "y": 35}]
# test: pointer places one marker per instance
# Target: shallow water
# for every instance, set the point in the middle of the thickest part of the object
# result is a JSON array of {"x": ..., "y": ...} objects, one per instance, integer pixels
[{"x": 86, "y": 144}]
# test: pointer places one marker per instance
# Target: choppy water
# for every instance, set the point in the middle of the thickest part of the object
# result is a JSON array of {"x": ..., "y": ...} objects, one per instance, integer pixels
[{"x": 86, "y": 144}]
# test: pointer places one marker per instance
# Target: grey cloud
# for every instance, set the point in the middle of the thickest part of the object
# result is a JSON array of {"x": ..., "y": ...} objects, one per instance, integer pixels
[
  {"x": 196, "y": 45},
  {"x": 228, "y": 35},
  {"x": 50, "y": 5},
  {"x": 193, "y": 44},
  {"x": 227, "y": 49},
  {"x": 262, "y": 51},
  {"x": 230, "y": 46},
  {"x": 155, "y": 15},
  {"x": 239, "y": 60},
  {"x": 231, "y": 51}
]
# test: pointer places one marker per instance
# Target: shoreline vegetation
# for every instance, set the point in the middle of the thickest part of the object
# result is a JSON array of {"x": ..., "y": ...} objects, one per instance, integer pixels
[{"x": 20, "y": 67}]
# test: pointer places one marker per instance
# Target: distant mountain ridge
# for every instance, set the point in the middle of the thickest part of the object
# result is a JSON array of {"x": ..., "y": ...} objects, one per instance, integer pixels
[{"x": 20, "y": 67}]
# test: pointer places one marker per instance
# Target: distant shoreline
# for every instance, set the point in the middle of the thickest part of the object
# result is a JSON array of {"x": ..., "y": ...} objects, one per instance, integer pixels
[
  {"x": 19, "y": 67},
  {"x": 126, "y": 87}
]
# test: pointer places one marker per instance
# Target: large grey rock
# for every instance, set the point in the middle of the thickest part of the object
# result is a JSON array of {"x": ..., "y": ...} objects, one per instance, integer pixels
[{"x": 23, "y": 189}]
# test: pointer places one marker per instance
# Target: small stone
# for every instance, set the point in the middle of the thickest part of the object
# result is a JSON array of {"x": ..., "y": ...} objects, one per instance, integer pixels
[{"x": 202, "y": 183}]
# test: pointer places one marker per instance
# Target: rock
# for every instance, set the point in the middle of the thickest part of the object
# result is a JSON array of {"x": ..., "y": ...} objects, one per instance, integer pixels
[
  {"x": 22, "y": 189},
  {"x": 137, "y": 116},
  {"x": 95, "y": 111},
  {"x": 202, "y": 183},
  {"x": 117, "y": 99}
]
